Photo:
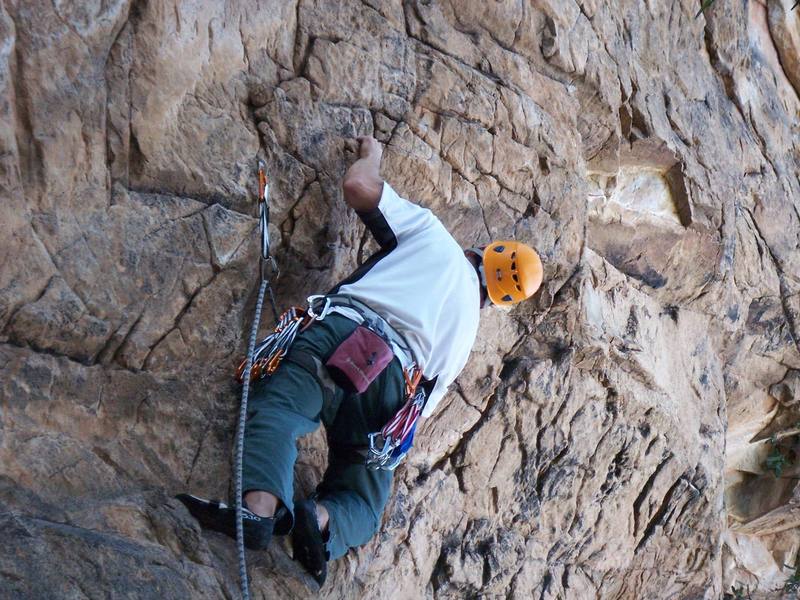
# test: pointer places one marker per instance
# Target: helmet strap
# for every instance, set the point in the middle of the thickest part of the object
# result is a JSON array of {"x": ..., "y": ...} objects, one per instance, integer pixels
[{"x": 481, "y": 273}]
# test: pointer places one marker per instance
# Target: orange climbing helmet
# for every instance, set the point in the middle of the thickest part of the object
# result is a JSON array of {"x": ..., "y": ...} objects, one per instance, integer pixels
[{"x": 511, "y": 271}]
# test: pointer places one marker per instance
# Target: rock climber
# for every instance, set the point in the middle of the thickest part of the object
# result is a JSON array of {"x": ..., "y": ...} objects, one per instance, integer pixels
[{"x": 422, "y": 293}]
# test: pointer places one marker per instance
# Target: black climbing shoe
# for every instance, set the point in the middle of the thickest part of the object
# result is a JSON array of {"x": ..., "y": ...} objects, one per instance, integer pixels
[
  {"x": 218, "y": 516},
  {"x": 307, "y": 543}
]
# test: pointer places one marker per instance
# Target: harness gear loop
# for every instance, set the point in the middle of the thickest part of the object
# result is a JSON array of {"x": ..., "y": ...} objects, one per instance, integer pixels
[
  {"x": 388, "y": 447},
  {"x": 268, "y": 354}
]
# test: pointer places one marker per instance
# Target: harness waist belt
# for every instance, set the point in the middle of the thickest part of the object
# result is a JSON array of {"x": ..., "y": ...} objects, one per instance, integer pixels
[{"x": 363, "y": 314}]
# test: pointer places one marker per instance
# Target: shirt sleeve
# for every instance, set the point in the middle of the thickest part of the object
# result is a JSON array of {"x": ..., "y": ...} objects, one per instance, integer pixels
[
  {"x": 396, "y": 219},
  {"x": 443, "y": 381},
  {"x": 437, "y": 393}
]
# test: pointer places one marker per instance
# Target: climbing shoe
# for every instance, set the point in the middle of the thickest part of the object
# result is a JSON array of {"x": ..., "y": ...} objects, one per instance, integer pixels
[
  {"x": 218, "y": 516},
  {"x": 308, "y": 544}
]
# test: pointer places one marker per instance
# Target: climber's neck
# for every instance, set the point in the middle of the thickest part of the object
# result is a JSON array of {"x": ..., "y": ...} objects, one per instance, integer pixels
[{"x": 475, "y": 261}]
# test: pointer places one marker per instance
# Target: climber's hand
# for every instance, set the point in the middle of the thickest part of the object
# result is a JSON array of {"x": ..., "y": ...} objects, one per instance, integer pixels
[{"x": 369, "y": 148}]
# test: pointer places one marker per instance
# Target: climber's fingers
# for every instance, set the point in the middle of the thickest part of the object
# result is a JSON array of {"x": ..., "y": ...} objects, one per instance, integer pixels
[
  {"x": 351, "y": 146},
  {"x": 368, "y": 146}
]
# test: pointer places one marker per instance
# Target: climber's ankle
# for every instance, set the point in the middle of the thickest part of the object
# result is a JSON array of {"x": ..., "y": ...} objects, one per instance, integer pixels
[
  {"x": 322, "y": 517},
  {"x": 261, "y": 503}
]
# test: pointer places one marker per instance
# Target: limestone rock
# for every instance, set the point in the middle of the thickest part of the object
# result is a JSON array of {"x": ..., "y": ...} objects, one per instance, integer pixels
[{"x": 631, "y": 432}]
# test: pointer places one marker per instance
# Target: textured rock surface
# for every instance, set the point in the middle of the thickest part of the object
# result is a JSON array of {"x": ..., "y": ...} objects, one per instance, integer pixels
[{"x": 609, "y": 439}]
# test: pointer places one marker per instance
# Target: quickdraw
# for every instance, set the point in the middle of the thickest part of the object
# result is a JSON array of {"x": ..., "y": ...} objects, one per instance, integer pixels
[
  {"x": 269, "y": 267},
  {"x": 273, "y": 348},
  {"x": 388, "y": 447}
]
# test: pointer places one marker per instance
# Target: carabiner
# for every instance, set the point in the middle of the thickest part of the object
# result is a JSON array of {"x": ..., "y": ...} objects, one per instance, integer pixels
[
  {"x": 263, "y": 221},
  {"x": 388, "y": 445},
  {"x": 269, "y": 268},
  {"x": 325, "y": 307}
]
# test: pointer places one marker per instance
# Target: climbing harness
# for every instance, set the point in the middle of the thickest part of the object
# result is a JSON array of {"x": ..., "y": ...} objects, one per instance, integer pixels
[
  {"x": 363, "y": 314},
  {"x": 388, "y": 446},
  {"x": 268, "y": 268}
]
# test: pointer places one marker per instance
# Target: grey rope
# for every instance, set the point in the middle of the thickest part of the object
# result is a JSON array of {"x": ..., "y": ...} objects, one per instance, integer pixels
[{"x": 251, "y": 348}]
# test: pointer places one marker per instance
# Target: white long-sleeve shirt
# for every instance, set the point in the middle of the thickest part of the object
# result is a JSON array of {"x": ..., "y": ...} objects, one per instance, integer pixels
[{"x": 423, "y": 285}]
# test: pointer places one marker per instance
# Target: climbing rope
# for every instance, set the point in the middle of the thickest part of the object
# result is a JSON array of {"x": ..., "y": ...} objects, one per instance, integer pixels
[
  {"x": 240, "y": 441},
  {"x": 268, "y": 267}
]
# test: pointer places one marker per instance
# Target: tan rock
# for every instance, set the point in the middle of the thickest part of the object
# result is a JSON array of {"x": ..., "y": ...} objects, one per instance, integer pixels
[{"x": 610, "y": 438}]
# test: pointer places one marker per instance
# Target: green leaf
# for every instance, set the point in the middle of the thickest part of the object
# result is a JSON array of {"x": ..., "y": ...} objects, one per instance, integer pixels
[
  {"x": 776, "y": 461},
  {"x": 706, "y": 4}
]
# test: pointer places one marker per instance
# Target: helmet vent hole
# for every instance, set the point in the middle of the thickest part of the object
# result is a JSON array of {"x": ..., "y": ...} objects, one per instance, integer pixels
[
  {"x": 514, "y": 277},
  {"x": 513, "y": 255},
  {"x": 519, "y": 289},
  {"x": 499, "y": 249},
  {"x": 514, "y": 266},
  {"x": 507, "y": 298}
]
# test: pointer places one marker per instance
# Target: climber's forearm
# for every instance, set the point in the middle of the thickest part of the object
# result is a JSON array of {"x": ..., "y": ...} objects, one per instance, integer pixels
[
  {"x": 362, "y": 183},
  {"x": 362, "y": 186}
]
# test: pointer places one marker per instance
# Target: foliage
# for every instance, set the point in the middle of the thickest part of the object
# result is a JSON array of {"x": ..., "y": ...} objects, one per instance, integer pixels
[
  {"x": 792, "y": 585},
  {"x": 776, "y": 461},
  {"x": 703, "y": 6},
  {"x": 740, "y": 593}
]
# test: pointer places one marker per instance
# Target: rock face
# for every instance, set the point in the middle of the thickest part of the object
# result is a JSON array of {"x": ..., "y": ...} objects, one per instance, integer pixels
[{"x": 632, "y": 432}]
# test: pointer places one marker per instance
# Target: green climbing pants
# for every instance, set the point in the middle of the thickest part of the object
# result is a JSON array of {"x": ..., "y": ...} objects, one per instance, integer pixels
[{"x": 292, "y": 403}]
